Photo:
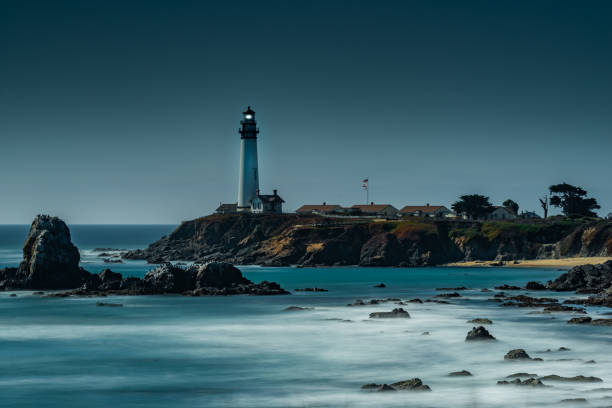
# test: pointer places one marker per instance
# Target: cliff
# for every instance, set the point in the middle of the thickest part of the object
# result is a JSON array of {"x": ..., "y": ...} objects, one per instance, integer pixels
[{"x": 315, "y": 241}]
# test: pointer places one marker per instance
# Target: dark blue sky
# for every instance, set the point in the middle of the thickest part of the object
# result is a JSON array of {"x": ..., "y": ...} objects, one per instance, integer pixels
[{"x": 127, "y": 111}]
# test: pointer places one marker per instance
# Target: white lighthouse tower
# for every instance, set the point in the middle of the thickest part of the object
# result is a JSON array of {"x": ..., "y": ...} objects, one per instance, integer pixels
[{"x": 248, "y": 184}]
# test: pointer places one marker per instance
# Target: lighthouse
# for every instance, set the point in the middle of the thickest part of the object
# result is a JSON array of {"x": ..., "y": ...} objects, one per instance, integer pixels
[{"x": 248, "y": 183}]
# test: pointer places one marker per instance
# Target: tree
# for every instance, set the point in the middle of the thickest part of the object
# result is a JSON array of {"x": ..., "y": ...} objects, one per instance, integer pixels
[
  {"x": 544, "y": 204},
  {"x": 511, "y": 205},
  {"x": 473, "y": 205},
  {"x": 572, "y": 200}
]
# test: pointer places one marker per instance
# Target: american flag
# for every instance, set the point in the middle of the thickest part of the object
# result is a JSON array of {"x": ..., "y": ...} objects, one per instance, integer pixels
[{"x": 365, "y": 184}]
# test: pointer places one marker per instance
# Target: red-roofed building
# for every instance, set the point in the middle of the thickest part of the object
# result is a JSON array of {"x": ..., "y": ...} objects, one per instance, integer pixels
[
  {"x": 434, "y": 211},
  {"x": 318, "y": 209},
  {"x": 378, "y": 210}
]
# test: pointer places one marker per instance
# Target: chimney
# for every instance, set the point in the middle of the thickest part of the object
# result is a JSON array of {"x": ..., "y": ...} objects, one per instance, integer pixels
[{"x": 275, "y": 191}]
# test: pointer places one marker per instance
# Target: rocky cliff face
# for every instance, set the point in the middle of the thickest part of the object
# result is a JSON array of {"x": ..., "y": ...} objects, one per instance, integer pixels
[{"x": 311, "y": 240}]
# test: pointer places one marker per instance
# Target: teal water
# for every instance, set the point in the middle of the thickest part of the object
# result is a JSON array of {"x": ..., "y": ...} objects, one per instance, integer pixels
[{"x": 245, "y": 351}]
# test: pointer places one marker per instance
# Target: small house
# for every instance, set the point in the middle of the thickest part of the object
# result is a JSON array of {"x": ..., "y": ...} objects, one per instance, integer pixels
[
  {"x": 433, "y": 211},
  {"x": 318, "y": 209},
  {"x": 376, "y": 210},
  {"x": 501, "y": 213},
  {"x": 264, "y": 203}
]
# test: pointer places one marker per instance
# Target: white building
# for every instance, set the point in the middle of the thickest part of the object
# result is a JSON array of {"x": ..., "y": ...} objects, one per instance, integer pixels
[
  {"x": 263, "y": 203},
  {"x": 501, "y": 213},
  {"x": 248, "y": 183}
]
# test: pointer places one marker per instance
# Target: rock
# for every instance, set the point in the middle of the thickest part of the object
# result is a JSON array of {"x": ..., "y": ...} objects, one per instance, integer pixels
[
  {"x": 454, "y": 289},
  {"x": 517, "y": 354},
  {"x": 38, "y": 293},
  {"x": 50, "y": 260},
  {"x": 590, "y": 362},
  {"x": 385, "y": 388},
  {"x": 507, "y": 287},
  {"x": 170, "y": 279},
  {"x": 480, "y": 320},
  {"x": 448, "y": 295},
  {"x": 310, "y": 290},
  {"x": 580, "y": 320},
  {"x": 563, "y": 349},
  {"x": 479, "y": 334},
  {"x": 415, "y": 301},
  {"x": 563, "y": 308},
  {"x": 462, "y": 373},
  {"x": 398, "y": 312},
  {"x": 578, "y": 378},
  {"x": 530, "y": 382},
  {"x": 380, "y": 285},
  {"x": 574, "y": 401},
  {"x": 109, "y": 276},
  {"x": 219, "y": 275},
  {"x": 601, "y": 322},
  {"x": 13, "y": 295},
  {"x": 425, "y": 333},
  {"x": 535, "y": 286},
  {"x": 103, "y": 304},
  {"x": 521, "y": 375},
  {"x": 590, "y": 278},
  {"x": 358, "y": 302},
  {"x": 414, "y": 384},
  {"x": 486, "y": 290},
  {"x": 296, "y": 308}
]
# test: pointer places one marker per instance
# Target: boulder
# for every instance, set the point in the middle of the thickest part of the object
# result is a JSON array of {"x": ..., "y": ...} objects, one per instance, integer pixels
[
  {"x": 109, "y": 276},
  {"x": 529, "y": 382},
  {"x": 219, "y": 275},
  {"x": 505, "y": 286},
  {"x": 296, "y": 308},
  {"x": 414, "y": 384},
  {"x": 448, "y": 295},
  {"x": 479, "y": 334},
  {"x": 578, "y": 378},
  {"x": 377, "y": 387},
  {"x": 50, "y": 260},
  {"x": 535, "y": 286},
  {"x": 380, "y": 285},
  {"x": 580, "y": 320},
  {"x": 517, "y": 354},
  {"x": 398, "y": 312},
  {"x": 168, "y": 278},
  {"x": 521, "y": 375},
  {"x": 462, "y": 373},
  {"x": 601, "y": 322},
  {"x": 585, "y": 278}
]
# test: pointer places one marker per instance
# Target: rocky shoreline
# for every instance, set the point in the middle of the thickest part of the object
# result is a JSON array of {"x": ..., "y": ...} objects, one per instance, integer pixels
[
  {"x": 290, "y": 239},
  {"x": 51, "y": 262}
]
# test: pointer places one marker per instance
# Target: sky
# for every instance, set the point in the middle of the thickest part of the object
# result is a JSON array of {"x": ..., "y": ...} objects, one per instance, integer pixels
[{"x": 128, "y": 112}]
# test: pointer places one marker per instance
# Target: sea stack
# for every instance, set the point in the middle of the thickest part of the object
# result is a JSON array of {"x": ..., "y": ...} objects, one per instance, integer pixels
[{"x": 50, "y": 260}]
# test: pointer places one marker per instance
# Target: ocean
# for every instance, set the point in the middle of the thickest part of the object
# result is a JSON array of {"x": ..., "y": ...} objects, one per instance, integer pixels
[{"x": 247, "y": 351}]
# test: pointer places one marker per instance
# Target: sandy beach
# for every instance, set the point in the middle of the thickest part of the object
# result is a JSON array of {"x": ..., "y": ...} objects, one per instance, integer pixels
[{"x": 538, "y": 263}]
